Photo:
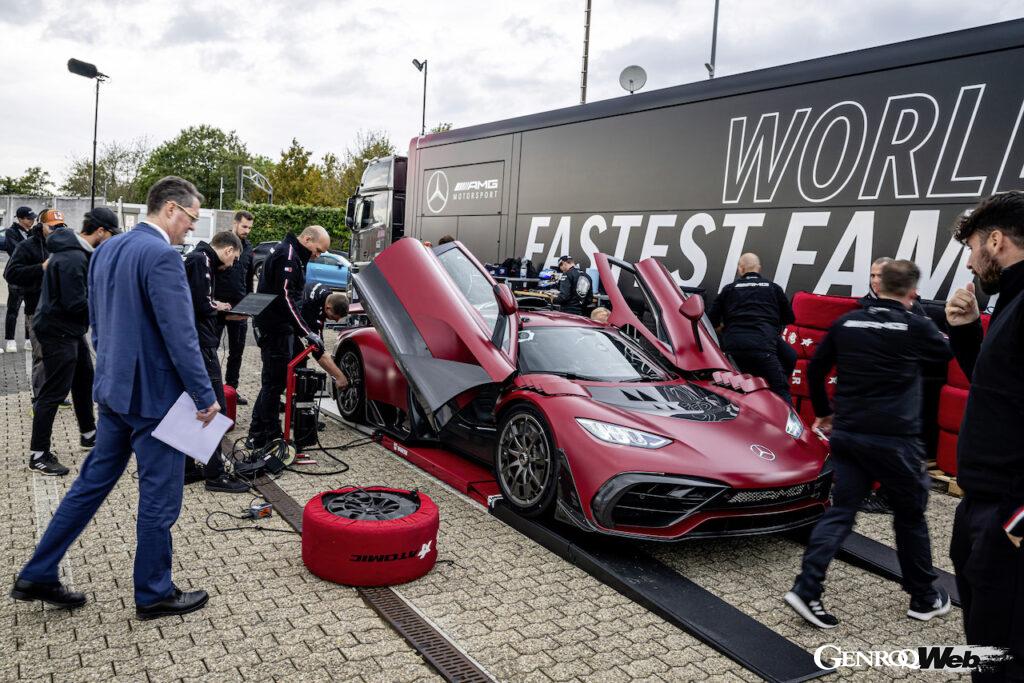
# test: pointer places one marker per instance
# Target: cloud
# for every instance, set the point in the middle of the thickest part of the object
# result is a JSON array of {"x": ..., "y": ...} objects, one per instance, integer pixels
[
  {"x": 198, "y": 27},
  {"x": 21, "y": 12},
  {"x": 529, "y": 32}
]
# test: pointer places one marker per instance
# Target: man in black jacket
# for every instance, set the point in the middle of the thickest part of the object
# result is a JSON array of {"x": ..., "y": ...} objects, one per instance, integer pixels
[
  {"x": 13, "y": 236},
  {"x": 284, "y": 274},
  {"x": 752, "y": 311},
  {"x": 60, "y": 324},
  {"x": 572, "y": 296},
  {"x": 201, "y": 268},
  {"x": 877, "y": 351},
  {"x": 232, "y": 285},
  {"x": 989, "y": 523},
  {"x": 24, "y": 271}
]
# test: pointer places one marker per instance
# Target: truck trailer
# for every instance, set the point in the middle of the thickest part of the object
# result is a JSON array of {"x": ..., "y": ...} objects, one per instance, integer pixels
[{"x": 819, "y": 167}]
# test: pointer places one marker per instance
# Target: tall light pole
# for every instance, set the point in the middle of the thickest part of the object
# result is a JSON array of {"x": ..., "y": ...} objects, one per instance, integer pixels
[
  {"x": 710, "y": 66},
  {"x": 586, "y": 53},
  {"x": 422, "y": 66},
  {"x": 90, "y": 71}
]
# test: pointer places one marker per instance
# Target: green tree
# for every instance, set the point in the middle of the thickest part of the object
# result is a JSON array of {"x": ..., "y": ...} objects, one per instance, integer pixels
[
  {"x": 296, "y": 180},
  {"x": 118, "y": 169},
  {"x": 369, "y": 145},
  {"x": 202, "y": 154},
  {"x": 441, "y": 128},
  {"x": 35, "y": 181}
]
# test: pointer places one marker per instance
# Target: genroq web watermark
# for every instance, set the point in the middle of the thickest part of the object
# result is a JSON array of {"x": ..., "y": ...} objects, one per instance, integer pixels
[{"x": 922, "y": 657}]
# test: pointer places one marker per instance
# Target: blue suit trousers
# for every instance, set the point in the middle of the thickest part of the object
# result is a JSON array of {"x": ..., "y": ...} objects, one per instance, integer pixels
[{"x": 161, "y": 484}]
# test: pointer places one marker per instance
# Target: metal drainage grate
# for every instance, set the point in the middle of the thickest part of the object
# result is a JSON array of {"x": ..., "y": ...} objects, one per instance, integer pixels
[
  {"x": 430, "y": 643},
  {"x": 449, "y": 661}
]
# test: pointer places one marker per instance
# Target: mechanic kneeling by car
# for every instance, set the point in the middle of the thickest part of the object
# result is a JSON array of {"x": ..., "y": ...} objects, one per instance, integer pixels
[
  {"x": 284, "y": 274},
  {"x": 877, "y": 351}
]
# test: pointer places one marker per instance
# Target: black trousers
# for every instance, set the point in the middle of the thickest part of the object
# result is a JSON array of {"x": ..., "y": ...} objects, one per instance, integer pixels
[
  {"x": 765, "y": 363},
  {"x": 990, "y": 578},
  {"x": 215, "y": 467},
  {"x": 860, "y": 459},
  {"x": 15, "y": 296},
  {"x": 276, "y": 353},
  {"x": 68, "y": 366},
  {"x": 237, "y": 331}
]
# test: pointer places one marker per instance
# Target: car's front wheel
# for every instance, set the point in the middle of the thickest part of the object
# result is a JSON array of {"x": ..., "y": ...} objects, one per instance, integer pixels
[
  {"x": 352, "y": 399},
  {"x": 525, "y": 462}
]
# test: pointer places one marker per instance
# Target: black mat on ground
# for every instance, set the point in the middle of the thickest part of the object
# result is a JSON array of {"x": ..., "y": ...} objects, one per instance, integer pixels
[
  {"x": 880, "y": 559},
  {"x": 673, "y": 597}
]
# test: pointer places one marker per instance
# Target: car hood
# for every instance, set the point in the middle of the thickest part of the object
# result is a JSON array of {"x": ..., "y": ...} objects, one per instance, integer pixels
[{"x": 738, "y": 439}]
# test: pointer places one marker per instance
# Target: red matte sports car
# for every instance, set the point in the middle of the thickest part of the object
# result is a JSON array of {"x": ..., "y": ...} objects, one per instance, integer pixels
[{"x": 641, "y": 427}]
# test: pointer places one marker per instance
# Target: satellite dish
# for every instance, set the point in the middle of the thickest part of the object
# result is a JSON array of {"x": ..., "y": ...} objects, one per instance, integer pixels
[{"x": 632, "y": 78}]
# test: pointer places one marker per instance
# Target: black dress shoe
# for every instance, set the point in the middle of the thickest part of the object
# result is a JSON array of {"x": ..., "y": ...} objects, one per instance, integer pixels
[
  {"x": 51, "y": 593},
  {"x": 241, "y": 400},
  {"x": 179, "y": 603}
]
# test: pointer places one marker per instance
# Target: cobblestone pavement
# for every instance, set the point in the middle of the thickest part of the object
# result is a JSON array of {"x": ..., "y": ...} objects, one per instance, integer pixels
[{"x": 521, "y": 612}]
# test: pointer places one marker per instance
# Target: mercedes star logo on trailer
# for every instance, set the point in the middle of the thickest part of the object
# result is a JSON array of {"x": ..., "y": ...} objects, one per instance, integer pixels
[{"x": 437, "y": 192}]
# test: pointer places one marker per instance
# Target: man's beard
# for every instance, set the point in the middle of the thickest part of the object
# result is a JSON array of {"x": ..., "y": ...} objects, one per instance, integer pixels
[{"x": 988, "y": 272}]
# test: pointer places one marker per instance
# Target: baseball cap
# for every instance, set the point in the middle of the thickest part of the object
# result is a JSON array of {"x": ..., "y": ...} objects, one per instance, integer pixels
[
  {"x": 102, "y": 217},
  {"x": 52, "y": 217},
  {"x": 25, "y": 212},
  {"x": 563, "y": 259}
]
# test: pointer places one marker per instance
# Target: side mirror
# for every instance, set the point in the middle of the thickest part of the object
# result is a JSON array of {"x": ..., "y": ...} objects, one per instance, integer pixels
[
  {"x": 693, "y": 308},
  {"x": 350, "y": 211},
  {"x": 507, "y": 303}
]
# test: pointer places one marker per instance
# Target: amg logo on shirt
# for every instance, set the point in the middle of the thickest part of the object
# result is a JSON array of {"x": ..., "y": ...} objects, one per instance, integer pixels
[
  {"x": 753, "y": 284},
  {"x": 871, "y": 324}
]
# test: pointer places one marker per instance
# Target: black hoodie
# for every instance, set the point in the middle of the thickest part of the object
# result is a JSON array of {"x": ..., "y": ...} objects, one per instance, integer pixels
[
  {"x": 63, "y": 309},
  {"x": 990, "y": 459},
  {"x": 201, "y": 267},
  {"x": 25, "y": 268}
]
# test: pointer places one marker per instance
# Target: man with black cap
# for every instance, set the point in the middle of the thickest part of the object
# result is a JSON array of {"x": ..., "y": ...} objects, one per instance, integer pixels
[
  {"x": 60, "y": 324},
  {"x": 572, "y": 295},
  {"x": 232, "y": 285},
  {"x": 201, "y": 268},
  {"x": 13, "y": 236},
  {"x": 25, "y": 271}
]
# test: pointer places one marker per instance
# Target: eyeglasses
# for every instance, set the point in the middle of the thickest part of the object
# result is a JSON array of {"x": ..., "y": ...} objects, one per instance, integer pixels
[{"x": 192, "y": 218}]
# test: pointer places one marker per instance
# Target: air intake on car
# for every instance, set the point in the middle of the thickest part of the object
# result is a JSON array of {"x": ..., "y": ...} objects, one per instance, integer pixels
[{"x": 648, "y": 500}]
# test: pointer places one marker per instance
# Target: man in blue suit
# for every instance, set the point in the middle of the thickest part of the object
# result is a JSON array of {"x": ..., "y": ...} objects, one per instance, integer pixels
[{"x": 147, "y": 354}]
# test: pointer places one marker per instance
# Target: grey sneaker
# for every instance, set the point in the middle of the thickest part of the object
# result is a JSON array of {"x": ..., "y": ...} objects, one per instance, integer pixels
[
  {"x": 811, "y": 610},
  {"x": 926, "y": 610}
]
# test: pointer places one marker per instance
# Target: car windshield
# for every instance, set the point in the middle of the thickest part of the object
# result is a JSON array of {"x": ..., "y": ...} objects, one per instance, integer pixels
[
  {"x": 473, "y": 285},
  {"x": 585, "y": 353}
]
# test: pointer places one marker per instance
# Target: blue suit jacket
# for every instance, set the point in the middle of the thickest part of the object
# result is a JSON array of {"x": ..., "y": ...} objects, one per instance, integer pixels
[{"x": 147, "y": 350}]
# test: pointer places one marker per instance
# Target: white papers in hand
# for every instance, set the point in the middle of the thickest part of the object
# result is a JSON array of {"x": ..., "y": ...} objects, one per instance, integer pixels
[{"x": 182, "y": 431}]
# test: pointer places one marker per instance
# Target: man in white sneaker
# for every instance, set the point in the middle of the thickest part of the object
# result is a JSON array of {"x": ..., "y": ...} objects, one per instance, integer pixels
[{"x": 877, "y": 351}]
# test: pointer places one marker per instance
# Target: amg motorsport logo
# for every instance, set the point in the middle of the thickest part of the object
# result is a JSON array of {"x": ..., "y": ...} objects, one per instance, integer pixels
[
  {"x": 439, "y": 190},
  {"x": 392, "y": 557}
]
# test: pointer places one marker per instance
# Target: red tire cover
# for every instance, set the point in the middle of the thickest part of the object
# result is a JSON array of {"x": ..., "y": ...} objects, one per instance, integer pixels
[
  {"x": 819, "y": 310},
  {"x": 955, "y": 376},
  {"x": 945, "y": 452},
  {"x": 804, "y": 339},
  {"x": 952, "y": 401},
  {"x": 798, "y": 381},
  {"x": 231, "y": 399},
  {"x": 369, "y": 553}
]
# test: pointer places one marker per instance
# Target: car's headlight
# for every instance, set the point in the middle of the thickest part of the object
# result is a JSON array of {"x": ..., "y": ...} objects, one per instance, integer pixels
[
  {"x": 794, "y": 425},
  {"x": 624, "y": 436}
]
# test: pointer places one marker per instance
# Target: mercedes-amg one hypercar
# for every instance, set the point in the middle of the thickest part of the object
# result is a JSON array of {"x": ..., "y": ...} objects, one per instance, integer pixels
[{"x": 640, "y": 427}]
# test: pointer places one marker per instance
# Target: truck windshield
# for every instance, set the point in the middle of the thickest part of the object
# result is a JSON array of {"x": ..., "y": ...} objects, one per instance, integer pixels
[{"x": 585, "y": 353}]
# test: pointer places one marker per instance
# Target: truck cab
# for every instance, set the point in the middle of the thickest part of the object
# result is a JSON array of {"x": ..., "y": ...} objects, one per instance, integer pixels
[{"x": 375, "y": 215}]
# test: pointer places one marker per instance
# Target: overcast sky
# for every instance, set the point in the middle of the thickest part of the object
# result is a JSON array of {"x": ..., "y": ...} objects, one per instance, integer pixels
[{"x": 322, "y": 70}]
